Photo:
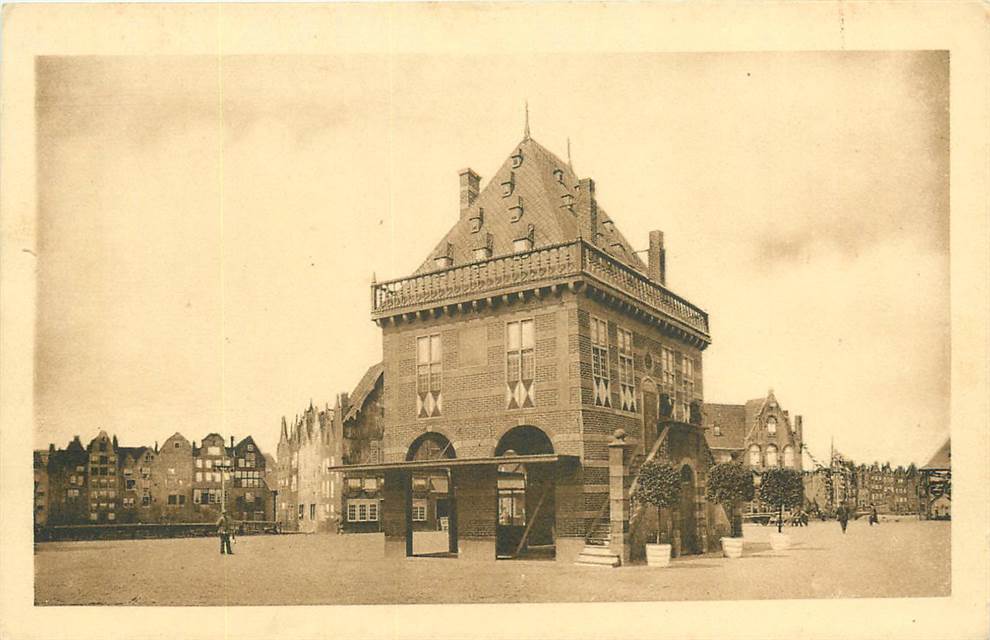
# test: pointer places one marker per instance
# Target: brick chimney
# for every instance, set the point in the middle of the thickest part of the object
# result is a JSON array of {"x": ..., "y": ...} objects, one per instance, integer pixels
[
  {"x": 587, "y": 210},
  {"x": 470, "y": 187},
  {"x": 657, "y": 259}
]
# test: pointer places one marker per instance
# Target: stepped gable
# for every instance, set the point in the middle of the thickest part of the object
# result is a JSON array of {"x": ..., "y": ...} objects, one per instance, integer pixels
[{"x": 549, "y": 193}]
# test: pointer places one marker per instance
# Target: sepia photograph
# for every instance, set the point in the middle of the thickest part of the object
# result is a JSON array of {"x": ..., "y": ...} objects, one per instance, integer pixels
[{"x": 374, "y": 323}]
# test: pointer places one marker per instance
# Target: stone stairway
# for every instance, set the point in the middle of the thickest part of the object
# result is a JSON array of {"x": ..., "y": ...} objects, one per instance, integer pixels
[{"x": 596, "y": 551}]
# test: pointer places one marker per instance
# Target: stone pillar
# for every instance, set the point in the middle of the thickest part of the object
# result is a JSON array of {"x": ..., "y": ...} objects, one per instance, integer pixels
[
  {"x": 618, "y": 495},
  {"x": 395, "y": 517}
]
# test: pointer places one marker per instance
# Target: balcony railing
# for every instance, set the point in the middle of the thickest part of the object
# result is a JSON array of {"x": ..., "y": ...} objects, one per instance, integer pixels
[{"x": 544, "y": 264}]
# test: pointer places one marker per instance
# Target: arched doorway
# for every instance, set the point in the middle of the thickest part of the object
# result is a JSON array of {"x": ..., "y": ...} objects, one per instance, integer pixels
[
  {"x": 688, "y": 512},
  {"x": 525, "y": 494},
  {"x": 431, "y": 512}
]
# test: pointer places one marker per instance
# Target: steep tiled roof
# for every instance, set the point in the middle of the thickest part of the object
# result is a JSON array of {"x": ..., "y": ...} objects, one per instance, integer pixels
[
  {"x": 942, "y": 458},
  {"x": 731, "y": 421},
  {"x": 544, "y": 185},
  {"x": 364, "y": 387}
]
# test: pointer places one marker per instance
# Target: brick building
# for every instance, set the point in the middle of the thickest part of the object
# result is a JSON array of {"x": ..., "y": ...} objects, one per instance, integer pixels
[
  {"x": 41, "y": 489},
  {"x": 104, "y": 483},
  {"x": 891, "y": 490},
  {"x": 531, "y": 364},
  {"x": 314, "y": 499},
  {"x": 759, "y": 434}
]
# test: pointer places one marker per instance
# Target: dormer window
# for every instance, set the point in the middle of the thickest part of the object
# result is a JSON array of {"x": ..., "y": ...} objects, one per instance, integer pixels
[
  {"x": 477, "y": 220},
  {"x": 509, "y": 185},
  {"x": 718, "y": 430},
  {"x": 517, "y": 159},
  {"x": 558, "y": 175},
  {"x": 772, "y": 425},
  {"x": 516, "y": 212},
  {"x": 525, "y": 243},
  {"x": 482, "y": 253}
]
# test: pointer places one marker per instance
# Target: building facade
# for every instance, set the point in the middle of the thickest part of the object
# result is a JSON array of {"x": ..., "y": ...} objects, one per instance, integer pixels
[
  {"x": 759, "y": 434},
  {"x": 314, "y": 499},
  {"x": 531, "y": 364},
  {"x": 107, "y": 484}
]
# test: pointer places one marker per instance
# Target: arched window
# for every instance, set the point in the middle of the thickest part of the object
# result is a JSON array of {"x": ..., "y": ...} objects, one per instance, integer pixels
[
  {"x": 771, "y": 455},
  {"x": 754, "y": 455},
  {"x": 431, "y": 446},
  {"x": 789, "y": 456},
  {"x": 772, "y": 425}
]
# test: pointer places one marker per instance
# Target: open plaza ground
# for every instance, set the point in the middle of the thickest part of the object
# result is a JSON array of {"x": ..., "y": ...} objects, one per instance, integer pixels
[{"x": 906, "y": 558}]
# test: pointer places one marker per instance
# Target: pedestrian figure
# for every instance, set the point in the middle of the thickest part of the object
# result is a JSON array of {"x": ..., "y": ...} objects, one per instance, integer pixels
[
  {"x": 874, "y": 518},
  {"x": 842, "y": 514},
  {"x": 223, "y": 528}
]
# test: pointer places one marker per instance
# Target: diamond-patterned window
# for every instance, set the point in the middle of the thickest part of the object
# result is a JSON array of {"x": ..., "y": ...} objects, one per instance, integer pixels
[
  {"x": 520, "y": 365},
  {"x": 599, "y": 363},
  {"x": 627, "y": 380},
  {"x": 429, "y": 376}
]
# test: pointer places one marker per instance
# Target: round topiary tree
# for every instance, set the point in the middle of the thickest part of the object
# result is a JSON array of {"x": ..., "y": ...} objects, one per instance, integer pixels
[
  {"x": 659, "y": 485},
  {"x": 781, "y": 488},
  {"x": 730, "y": 485}
]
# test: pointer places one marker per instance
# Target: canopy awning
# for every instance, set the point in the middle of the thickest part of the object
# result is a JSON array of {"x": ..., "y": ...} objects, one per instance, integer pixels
[{"x": 446, "y": 463}]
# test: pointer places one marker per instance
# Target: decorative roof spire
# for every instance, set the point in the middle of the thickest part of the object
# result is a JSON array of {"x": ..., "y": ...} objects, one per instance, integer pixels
[
  {"x": 526, "y": 131},
  {"x": 570, "y": 165}
]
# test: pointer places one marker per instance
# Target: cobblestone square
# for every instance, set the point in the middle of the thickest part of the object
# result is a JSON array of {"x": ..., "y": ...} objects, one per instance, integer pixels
[{"x": 905, "y": 558}]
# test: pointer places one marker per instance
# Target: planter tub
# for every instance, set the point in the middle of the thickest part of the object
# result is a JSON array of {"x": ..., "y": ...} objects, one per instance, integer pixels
[
  {"x": 732, "y": 547},
  {"x": 779, "y": 541},
  {"x": 658, "y": 555}
]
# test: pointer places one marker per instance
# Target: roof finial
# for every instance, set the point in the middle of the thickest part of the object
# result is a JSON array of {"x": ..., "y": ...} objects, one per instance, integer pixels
[
  {"x": 570, "y": 165},
  {"x": 526, "y": 132}
]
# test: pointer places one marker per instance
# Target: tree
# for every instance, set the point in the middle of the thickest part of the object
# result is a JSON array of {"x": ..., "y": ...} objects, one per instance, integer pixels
[
  {"x": 660, "y": 486},
  {"x": 781, "y": 488},
  {"x": 729, "y": 484}
]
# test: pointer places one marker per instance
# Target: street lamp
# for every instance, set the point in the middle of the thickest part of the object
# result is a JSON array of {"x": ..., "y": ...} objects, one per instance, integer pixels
[{"x": 224, "y": 467}]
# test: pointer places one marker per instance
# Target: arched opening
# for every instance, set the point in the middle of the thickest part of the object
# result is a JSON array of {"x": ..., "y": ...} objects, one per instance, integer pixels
[
  {"x": 772, "y": 455},
  {"x": 688, "y": 512},
  {"x": 431, "y": 511},
  {"x": 525, "y": 494},
  {"x": 789, "y": 457},
  {"x": 754, "y": 455}
]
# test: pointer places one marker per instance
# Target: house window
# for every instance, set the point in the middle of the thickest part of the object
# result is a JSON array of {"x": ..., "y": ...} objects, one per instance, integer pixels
[
  {"x": 312, "y": 512},
  {"x": 419, "y": 511},
  {"x": 482, "y": 253},
  {"x": 771, "y": 455},
  {"x": 789, "y": 456},
  {"x": 520, "y": 364},
  {"x": 627, "y": 379},
  {"x": 687, "y": 384},
  {"x": 599, "y": 363},
  {"x": 72, "y": 493},
  {"x": 362, "y": 511},
  {"x": 754, "y": 455},
  {"x": 199, "y": 463},
  {"x": 92, "y": 516},
  {"x": 199, "y": 476},
  {"x": 302, "y": 512},
  {"x": 111, "y": 516},
  {"x": 173, "y": 499},
  {"x": 717, "y": 429},
  {"x": 772, "y": 425},
  {"x": 429, "y": 376},
  {"x": 667, "y": 377},
  {"x": 370, "y": 484}
]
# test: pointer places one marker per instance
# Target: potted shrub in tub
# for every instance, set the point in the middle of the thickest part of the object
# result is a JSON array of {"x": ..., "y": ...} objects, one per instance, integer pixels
[
  {"x": 782, "y": 489},
  {"x": 660, "y": 486},
  {"x": 729, "y": 484}
]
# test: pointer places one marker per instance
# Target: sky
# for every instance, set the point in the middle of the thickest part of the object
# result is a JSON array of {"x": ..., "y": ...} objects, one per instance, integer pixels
[{"x": 209, "y": 227}]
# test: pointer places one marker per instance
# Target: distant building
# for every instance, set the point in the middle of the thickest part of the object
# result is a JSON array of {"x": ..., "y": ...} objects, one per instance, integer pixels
[
  {"x": 890, "y": 490},
  {"x": 935, "y": 489},
  {"x": 759, "y": 434},
  {"x": 312, "y": 498},
  {"x": 108, "y": 484}
]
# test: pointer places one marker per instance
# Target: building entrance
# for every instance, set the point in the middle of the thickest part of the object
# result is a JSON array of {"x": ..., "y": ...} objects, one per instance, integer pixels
[
  {"x": 431, "y": 500},
  {"x": 525, "y": 495},
  {"x": 688, "y": 512}
]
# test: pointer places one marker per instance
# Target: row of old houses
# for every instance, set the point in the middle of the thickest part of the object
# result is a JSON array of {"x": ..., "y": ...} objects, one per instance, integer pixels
[{"x": 105, "y": 483}]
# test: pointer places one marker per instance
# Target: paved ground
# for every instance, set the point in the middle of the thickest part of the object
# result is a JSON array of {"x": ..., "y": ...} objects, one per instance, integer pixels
[{"x": 895, "y": 559}]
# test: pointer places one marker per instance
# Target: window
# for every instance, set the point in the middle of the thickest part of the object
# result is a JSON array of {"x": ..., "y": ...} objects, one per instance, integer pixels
[
  {"x": 92, "y": 516},
  {"x": 171, "y": 471},
  {"x": 789, "y": 456},
  {"x": 302, "y": 512},
  {"x": 771, "y": 455},
  {"x": 72, "y": 493},
  {"x": 419, "y": 483},
  {"x": 312, "y": 512},
  {"x": 429, "y": 376},
  {"x": 213, "y": 451},
  {"x": 419, "y": 511},
  {"x": 667, "y": 376},
  {"x": 687, "y": 384},
  {"x": 599, "y": 363},
  {"x": 199, "y": 476},
  {"x": 627, "y": 379},
  {"x": 520, "y": 367},
  {"x": 438, "y": 484},
  {"x": 772, "y": 425},
  {"x": 482, "y": 253},
  {"x": 521, "y": 245},
  {"x": 173, "y": 499},
  {"x": 250, "y": 447},
  {"x": 754, "y": 455},
  {"x": 362, "y": 510},
  {"x": 182, "y": 498},
  {"x": 717, "y": 429},
  {"x": 199, "y": 463}
]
